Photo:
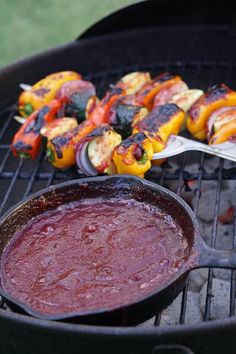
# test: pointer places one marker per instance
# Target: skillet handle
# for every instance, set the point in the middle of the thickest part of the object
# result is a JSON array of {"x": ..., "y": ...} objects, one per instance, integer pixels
[{"x": 211, "y": 257}]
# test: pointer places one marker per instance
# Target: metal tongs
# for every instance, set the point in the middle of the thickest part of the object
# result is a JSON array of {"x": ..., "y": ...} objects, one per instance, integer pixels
[{"x": 177, "y": 144}]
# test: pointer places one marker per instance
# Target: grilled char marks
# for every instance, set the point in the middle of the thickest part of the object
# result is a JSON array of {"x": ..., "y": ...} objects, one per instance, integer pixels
[
  {"x": 113, "y": 92},
  {"x": 20, "y": 145},
  {"x": 41, "y": 91},
  {"x": 157, "y": 80},
  {"x": 76, "y": 105},
  {"x": 213, "y": 94},
  {"x": 122, "y": 116},
  {"x": 59, "y": 142},
  {"x": 159, "y": 116},
  {"x": 37, "y": 124},
  {"x": 163, "y": 77},
  {"x": 134, "y": 139},
  {"x": 125, "y": 113},
  {"x": 99, "y": 131}
]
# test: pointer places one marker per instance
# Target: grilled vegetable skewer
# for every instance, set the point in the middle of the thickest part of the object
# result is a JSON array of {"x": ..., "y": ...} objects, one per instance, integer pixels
[{"x": 151, "y": 110}]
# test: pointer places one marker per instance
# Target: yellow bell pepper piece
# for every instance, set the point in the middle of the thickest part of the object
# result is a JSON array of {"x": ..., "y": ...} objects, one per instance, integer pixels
[
  {"x": 227, "y": 131},
  {"x": 61, "y": 149},
  {"x": 198, "y": 115},
  {"x": 133, "y": 155},
  {"x": 44, "y": 91},
  {"x": 159, "y": 124}
]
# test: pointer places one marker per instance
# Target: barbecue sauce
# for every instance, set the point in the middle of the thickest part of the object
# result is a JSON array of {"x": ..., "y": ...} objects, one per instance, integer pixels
[{"x": 92, "y": 254}]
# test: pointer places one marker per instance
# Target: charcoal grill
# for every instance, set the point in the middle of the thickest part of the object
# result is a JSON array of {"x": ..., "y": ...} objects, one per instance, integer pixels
[{"x": 158, "y": 36}]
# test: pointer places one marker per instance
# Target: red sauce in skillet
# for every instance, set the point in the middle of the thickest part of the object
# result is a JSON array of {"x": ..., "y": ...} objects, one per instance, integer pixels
[{"x": 92, "y": 254}]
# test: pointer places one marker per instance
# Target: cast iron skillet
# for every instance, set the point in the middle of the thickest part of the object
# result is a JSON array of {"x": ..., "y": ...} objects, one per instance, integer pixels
[{"x": 200, "y": 255}]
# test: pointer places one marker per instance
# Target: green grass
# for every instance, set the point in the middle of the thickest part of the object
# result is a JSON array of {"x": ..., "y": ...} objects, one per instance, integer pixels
[{"x": 30, "y": 26}]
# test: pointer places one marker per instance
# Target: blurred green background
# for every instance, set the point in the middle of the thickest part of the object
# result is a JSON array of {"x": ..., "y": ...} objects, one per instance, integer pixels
[{"x": 30, "y": 26}]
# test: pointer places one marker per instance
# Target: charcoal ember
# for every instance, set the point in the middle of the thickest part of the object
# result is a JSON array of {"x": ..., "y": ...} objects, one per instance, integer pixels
[
  {"x": 170, "y": 316},
  {"x": 231, "y": 185},
  {"x": 228, "y": 185},
  {"x": 185, "y": 193},
  {"x": 205, "y": 230},
  {"x": 169, "y": 320},
  {"x": 211, "y": 163},
  {"x": 208, "y": 201},
  {"x": 208, "y": 185},
  {"x": 193, "y": 168},
  {"x": 197, "y": 278},
  {"x": 224, "y": 274},
  {"x": 224, "y": 238},
  {"x": 220, "y": 299},
  {"x": 189, "y": 192}
]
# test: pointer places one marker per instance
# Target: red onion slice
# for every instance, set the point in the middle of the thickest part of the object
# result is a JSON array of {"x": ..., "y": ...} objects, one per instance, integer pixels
[
  {"x": 76, "y": 86},
  {"x": 83, "y": 161},
  {"x": 214, "y": 116}
]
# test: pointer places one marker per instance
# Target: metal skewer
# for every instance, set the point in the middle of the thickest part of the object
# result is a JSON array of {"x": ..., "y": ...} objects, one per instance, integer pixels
[
  {"x": 178, "y": 144},
  {"x": 25, "y": 87}
]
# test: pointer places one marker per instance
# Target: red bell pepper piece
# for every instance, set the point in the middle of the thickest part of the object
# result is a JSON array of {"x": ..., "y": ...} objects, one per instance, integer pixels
[
  {"x": 27, "y": 141},
  {"x": 100, "y": 114}
]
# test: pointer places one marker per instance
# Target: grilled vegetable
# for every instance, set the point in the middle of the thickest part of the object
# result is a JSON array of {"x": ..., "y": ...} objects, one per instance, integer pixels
[
  {"x": 133, "y": 82},
  {"x": 27, "y": 141},
  {"x": 79, "y": 94},
  {"x": 94, "y": 153},
  {"x": 122, "y": 116},
  {"x": 133, "y": 155},
  {"x": 44, "y": 91},
  {"x": 165, "y": 94},
  {"x": 100, "y": 113},
  {"x": 164, "y": 81},
  {"x": 186, "y": 99},
  {"x": 61, "y": 149},
  {"x": 218, "y": 118},
  {"x": 199, "y": 114},
  {"x": 226, "y": 132},
  {"x": 222, "y": 125},
  {"x": 159, "y": 124},
  {"x": 58, "y": 127},
  {"x": 127, "y": 85},
  {"x": 130, "y": 100}
]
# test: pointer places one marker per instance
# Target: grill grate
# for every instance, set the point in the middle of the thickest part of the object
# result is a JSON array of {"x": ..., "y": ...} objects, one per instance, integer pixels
[{"x": 18, "y": 179}]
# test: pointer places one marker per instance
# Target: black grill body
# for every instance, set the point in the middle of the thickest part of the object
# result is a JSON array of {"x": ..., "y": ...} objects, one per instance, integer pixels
[{"x": 200, "y": 48}]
